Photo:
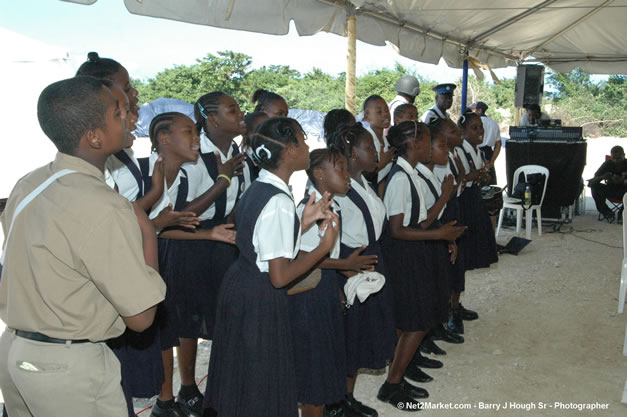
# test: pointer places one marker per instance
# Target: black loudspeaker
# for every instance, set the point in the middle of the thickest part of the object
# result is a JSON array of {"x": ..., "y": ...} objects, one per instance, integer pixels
[{"x": 529, "y": 85}]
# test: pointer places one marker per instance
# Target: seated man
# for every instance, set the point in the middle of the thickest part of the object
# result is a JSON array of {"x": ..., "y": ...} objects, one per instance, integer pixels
[
  {"x": 533, "y": 116},
  {"x": 609, "y": 182}
]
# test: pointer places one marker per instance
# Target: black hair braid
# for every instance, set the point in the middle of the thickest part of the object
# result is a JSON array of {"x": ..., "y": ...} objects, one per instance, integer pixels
[
  {"x": 399, "y": 135},
  {"x": 251, "y": 123},
  {"x": 161, "y": 123},
  {"x": 334, "y": 118},
  {"x": 264, "y": 98},
  {"x": 346, "y": 137},
  {"x": 318, "y": 157},
  {"x": 465, "y": 118},
  {"x": 207, "y": 104},
  {"x": 271, "y": 137}
]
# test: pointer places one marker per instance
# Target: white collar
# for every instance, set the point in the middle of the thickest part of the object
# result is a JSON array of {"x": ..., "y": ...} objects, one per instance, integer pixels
[
  {"x": 318, "y": 197},
  {"x": 273, "y": 179},
  {"x": 439, "y": 112},
  {"x": 207, "y": 146},
  {"x": 424, "y": 170},
  {"x": 406, "y": 166}
]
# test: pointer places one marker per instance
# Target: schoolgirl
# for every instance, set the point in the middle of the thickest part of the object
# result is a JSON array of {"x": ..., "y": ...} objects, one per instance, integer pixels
[
  {"x": 270, "y": 103},
  {"x": 251, "y": 370},
  {"x": 199, "y": 263},
  {"x": 377, "y": 114},
  {"x": 369, "y": 326},
  {"x": 437, "y": 194},
  {"x": 447, "y": 131},
  {"x": 404, "y": 112},
  {"x": 252, "y": 120},
  {"x": 316, "y": 315},
  {"x": 412, "y": 272},
  {"x": 334, "y": 118},
  {"x": 479, "y": 244}
]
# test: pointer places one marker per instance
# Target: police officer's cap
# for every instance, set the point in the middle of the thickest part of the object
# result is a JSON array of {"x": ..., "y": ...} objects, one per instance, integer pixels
[
  {"x": 444, "y": 88},
  {"x": 408, "y": 84}
]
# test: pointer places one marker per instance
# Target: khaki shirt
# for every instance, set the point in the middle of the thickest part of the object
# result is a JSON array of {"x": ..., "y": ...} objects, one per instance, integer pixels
[{"x": 75, "y": 262}]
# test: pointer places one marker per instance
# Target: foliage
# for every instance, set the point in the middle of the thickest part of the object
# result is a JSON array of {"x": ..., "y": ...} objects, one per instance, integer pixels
[{"x": 574, "y": 97}]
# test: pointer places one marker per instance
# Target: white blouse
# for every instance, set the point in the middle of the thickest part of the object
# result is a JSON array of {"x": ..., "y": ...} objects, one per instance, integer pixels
[
  {"x": 273, "y": 236},
  {"x": 198, "y": 174},
  {"x": 430, "y": 199},
  {"x": 397, "y": 196},
  {"x": 474, "y": 154},
  {"x": 386, "y": 147},
  {"x": 120, "y": 175},
  {"x": 354, "y": 232},
  {"x": 311, "y": 239}
]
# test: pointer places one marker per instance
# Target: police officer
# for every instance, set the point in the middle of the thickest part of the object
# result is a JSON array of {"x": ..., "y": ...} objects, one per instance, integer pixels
[
  {"x": 443, "y": 102},
  {"x": 407, "y": 88}
]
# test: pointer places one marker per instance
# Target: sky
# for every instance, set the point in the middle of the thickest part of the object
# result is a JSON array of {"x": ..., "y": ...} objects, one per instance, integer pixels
[{"x": 147, "y": 45}]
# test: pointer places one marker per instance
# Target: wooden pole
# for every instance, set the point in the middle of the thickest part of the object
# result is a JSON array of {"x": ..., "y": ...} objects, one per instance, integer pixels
[{"x": 350, "y": 94}]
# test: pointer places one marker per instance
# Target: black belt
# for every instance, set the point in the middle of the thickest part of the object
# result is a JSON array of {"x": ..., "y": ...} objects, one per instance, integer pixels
[{"x": 43, "y": 338}]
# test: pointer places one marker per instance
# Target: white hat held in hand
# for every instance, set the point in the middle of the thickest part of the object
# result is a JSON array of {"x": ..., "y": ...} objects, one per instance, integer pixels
[{"x": 362, "y": 285}]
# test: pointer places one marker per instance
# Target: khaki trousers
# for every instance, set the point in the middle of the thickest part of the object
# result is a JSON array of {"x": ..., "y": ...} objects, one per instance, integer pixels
[{"x": 54, "y": 380}]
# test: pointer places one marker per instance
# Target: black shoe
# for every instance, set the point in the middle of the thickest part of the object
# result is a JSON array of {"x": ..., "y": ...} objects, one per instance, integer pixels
[
  {"x": 468, "y": 315},
  {"x": 439, "y": 332},
  {"x": 174, "y": 411},
  {"x": 425, "y": 362},
  {"x": 416, "y": 374},
  {"x": 414, "y": 391},
  {"x": 428, "y": 346},
  {"x": 333, "y": 410},
  {"x": 395, "y": 394},
  {"x": 455, "y": 323},
  {"x": 352, "y": 407},
  {"x": 191, "y": 406}
]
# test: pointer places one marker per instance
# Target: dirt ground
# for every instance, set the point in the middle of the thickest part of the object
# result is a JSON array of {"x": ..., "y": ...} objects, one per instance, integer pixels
[{"x": 548, "y": 330}]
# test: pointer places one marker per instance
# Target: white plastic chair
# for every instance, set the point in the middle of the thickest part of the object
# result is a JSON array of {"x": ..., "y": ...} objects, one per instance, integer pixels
[
  {"x": 515, "y": 203},
  {"x": 623, "y": 272}
]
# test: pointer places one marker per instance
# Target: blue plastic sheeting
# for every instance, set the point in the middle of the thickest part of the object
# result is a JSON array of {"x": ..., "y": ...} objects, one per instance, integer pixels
[{"x": 148, "y": 111}]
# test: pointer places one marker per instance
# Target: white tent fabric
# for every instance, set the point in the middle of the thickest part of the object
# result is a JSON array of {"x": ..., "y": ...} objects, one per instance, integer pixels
[
  {"x": 24, "y": 146},
  {"x": 563, "y": 34}
]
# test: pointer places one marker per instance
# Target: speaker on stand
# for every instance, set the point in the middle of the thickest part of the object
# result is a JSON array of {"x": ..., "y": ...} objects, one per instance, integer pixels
[{"x": 529, "y": 85}]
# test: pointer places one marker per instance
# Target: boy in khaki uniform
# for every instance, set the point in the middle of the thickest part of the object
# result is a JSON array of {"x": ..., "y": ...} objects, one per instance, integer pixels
[{"x": 74, "y": 271}]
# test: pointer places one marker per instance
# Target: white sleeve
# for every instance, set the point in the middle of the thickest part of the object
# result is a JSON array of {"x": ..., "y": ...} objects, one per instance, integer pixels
[
  {"x": 396, "y": 195},
  {"x": 198, "y": 179},
  {"x": 273, "y": 236}
]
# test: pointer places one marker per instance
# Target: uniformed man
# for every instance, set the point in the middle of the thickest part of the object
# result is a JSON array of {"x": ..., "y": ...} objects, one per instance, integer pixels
[
  {"x": 407, "y": 88},
  {"x": 491, "y": 146},
  {"x": 443, "y": 102},
  {"x": 74, "y": 270}
]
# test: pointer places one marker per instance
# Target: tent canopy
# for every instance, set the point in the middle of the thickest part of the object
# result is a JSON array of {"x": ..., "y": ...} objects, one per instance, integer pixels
[{"x": 562, "y": 34}]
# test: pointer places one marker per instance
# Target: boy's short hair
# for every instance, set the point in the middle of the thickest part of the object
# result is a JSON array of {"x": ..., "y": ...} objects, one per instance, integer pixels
[
  {"x": 617, "y": 149},
  {"x": 67, "y": 109}
]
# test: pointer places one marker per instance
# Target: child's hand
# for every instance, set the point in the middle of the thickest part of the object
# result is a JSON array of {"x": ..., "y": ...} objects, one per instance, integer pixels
[
  {"x": 315, "y": 211},
  {"x": 450, "y": 232},
  {"x": 448, "y": 185},
  {"x": 168, "y": 217},
  {"x": 331, "y": 225},
  {"x": 232, "y": 166},
  {"x": 358, "y": 262},
  {"x": 452, "y": 250},
  {"x": 387, "y": 156},
  {"x": 223, "y": 233},
  {"x": 158, "y": 173}
]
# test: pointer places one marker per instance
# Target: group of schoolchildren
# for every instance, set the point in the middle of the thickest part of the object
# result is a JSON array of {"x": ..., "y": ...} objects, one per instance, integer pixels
[{"x": 390, "y": 199}]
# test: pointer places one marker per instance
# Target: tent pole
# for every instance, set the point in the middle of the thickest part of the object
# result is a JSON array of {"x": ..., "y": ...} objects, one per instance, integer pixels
[
  {"x": 464, "y": 85},
  {"x": 349, "y": 99}
]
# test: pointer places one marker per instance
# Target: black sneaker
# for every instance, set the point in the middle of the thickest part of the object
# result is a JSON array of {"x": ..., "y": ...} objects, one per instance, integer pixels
[
  {"x": 191, "y": 406},
  {"x": 174, "y": 411},
  {"x": 395, "y": 395},
  {"x": 354, "y": 408}
]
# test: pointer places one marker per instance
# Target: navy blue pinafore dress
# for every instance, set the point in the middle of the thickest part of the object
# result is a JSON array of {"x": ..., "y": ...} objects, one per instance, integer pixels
[
  {"x": 409, "y": 271},
  {"x": 370, "y": 336},
  {"x": 251, "y": 369}
]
